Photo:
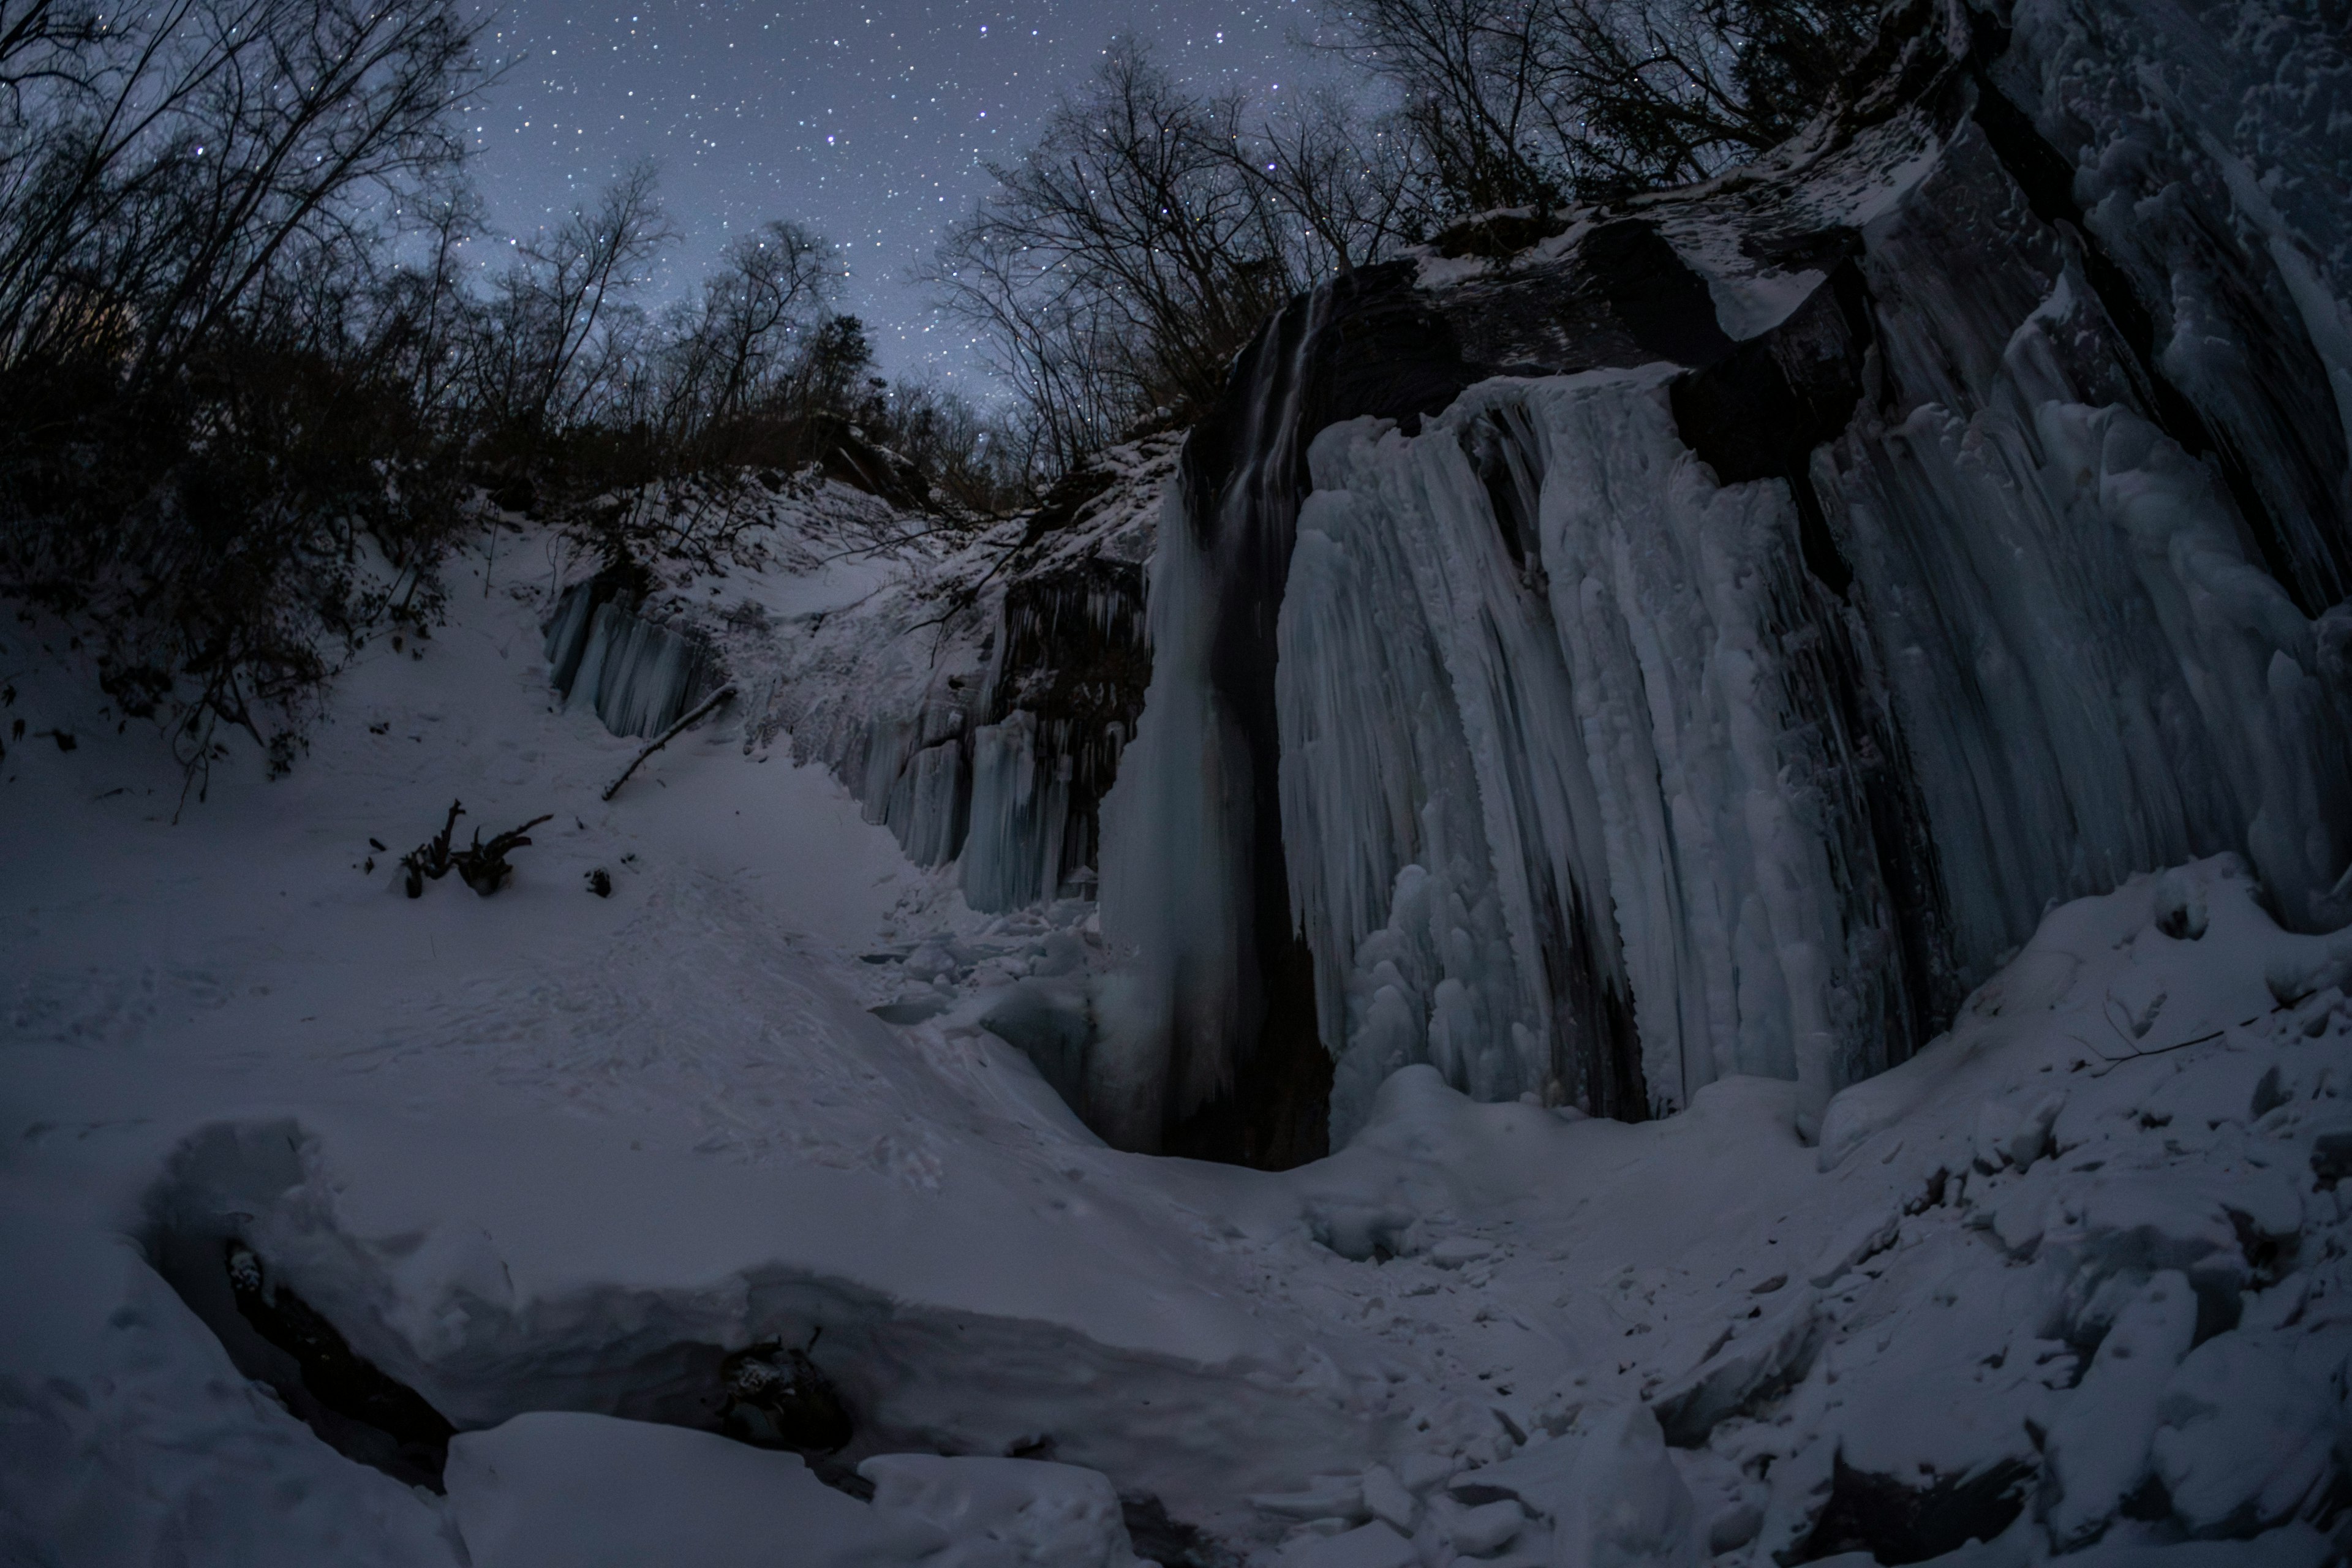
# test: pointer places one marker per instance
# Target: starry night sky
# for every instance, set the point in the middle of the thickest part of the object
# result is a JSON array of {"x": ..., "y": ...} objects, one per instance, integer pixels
[{"x": 869, "y": 123}]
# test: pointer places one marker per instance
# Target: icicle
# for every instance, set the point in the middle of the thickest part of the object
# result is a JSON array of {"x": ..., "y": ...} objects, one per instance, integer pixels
[
  {"x": 635, "y": 675},
  {"x": 1187, "y": 883},
  {"x": 1020, "y": 812},
  {"x": 567, "y": 636},
  {"x": 1173, "y": 877},
  {"x": 1646, "y": 712}
]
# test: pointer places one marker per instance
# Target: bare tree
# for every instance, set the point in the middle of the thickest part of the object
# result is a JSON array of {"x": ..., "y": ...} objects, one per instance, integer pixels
[
  {"x": 428, "y": 326},
  {"x": 563, "y": 293},
  {"x": 248, "y": 386},
  {"x": 1340, "y": 188},
  {"x": 1470, "y": 73},
  {"x": 201, "y": 415},
  {"x": 1518, "y": 103},
  {"x": 769, "y": 288},
  {"x": 172, "y": 158},
  {"x": 1122, "y": 262},
  {"x": 44, "y": 47}
]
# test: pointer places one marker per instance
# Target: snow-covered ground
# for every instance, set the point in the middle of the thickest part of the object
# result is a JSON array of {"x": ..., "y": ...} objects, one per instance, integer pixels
[{"x": 2077, "y": 1272}]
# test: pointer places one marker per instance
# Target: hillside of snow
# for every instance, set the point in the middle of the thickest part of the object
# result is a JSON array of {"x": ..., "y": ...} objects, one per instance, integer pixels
[
  {"x": 1677, "y": 898},
  {"x": 549, "y": 1160}
]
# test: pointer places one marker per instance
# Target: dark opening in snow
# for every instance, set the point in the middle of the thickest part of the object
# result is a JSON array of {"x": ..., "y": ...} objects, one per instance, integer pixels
[
  {"x": 1898, "y": 1524},
  {"x": 275, "y": 1337}
]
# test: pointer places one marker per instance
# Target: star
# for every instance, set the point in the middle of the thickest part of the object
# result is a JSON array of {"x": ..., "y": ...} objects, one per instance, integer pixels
[{"x": 871, "y": 124}]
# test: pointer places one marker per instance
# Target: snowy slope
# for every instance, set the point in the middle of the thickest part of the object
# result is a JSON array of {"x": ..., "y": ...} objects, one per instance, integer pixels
[
  {"x": 1954, "y": 860},
  {"x": 547, "y": 1152}
]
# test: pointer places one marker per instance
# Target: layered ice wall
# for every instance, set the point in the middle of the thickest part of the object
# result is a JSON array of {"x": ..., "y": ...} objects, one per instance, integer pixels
[
  {"x": 1644, "y": 712},
  {"x": 1708, "y": 642},
  {"x": 1598, "y": 785},
  {"x": 636, "y": 675}
]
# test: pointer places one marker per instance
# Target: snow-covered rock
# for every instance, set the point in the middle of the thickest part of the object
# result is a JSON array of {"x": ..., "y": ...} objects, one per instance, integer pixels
[
  {"x": 1004, "y": 1513},
  {"x": 589, "y": 1491}
]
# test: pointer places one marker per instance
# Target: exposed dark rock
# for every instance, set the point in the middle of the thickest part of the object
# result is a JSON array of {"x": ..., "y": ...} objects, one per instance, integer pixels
[
  {"x": 845, "y": 454},
  {"x": 1497, "y": 234},
  {"x": 776, "y": 1398},
  {"x": 1898, "y": 1523},
  {"x": 1075, "y": 655},
  {"x": 1032, "y": 637},
  {"x": 1171, "y": 1543},
  {"x": 342, "y": 1395}
]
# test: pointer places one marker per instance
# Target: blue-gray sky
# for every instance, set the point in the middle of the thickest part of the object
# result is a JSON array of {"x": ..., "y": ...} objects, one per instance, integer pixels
[{"x": 870, "y": 122}]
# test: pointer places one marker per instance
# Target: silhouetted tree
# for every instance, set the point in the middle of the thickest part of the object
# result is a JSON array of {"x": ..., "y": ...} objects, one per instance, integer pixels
[{"x": 1520, "y": 102}]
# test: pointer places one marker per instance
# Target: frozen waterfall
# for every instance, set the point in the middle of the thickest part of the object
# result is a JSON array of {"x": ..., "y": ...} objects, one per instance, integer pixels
[
  {"x": 1708, "y": 645},
  {"x": 1650, "y": 712},
  {"x": 636, "y": 675}
]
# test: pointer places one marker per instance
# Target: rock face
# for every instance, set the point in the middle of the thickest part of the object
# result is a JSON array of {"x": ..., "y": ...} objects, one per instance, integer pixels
[
  {"x": 1705, "y": 641},
  {"x": 977, "y": 702}
]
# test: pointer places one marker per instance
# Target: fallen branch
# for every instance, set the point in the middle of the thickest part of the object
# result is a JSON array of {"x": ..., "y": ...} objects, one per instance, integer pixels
[{"x": 705, "y": 706}]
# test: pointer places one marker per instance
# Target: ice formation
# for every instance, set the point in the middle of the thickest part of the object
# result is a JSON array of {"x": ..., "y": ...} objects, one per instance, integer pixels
[
  {"x": 1708, "y": 645},
  {"x": 1647, "y": 640},
  {"x": 635, "y": 674},
  {"x": 977, "y": 702}
]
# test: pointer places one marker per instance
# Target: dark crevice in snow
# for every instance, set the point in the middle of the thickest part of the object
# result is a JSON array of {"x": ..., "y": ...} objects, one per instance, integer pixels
[
  {"x": 227, "y": 1178},
  {"x": 768, "y": 1395},
  {"x": 776, "y": 1398},
  {"x": 349, "y": 1400},
  {"x": 1898, "y": 1522},
  {"x": 275, "y": 1337},
  {"x": 1170, "y": 1543}
]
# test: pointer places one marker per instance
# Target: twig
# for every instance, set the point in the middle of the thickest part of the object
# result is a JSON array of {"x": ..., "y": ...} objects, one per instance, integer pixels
[{"x": 705, "y": 706}]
